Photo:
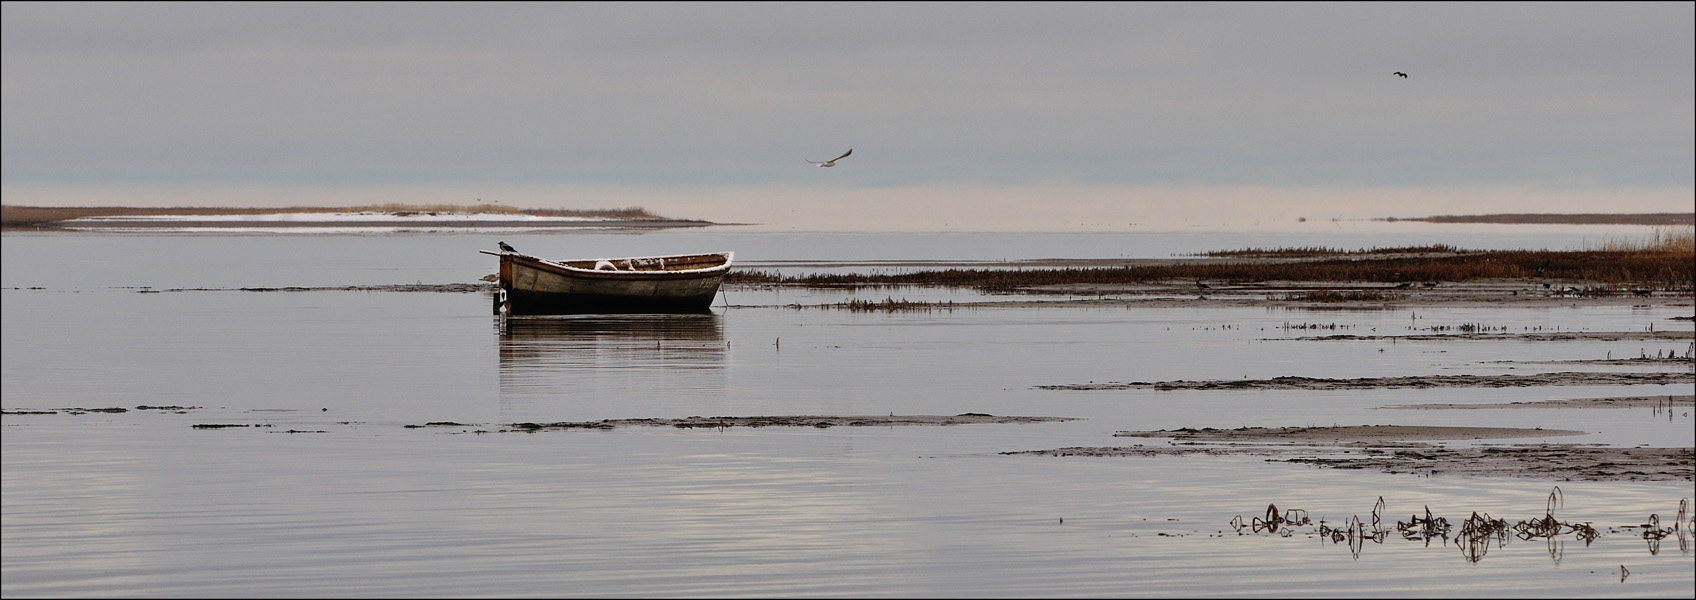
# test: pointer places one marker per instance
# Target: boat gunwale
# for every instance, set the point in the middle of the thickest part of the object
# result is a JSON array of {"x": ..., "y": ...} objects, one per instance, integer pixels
[{"x": 562, "y": 267}]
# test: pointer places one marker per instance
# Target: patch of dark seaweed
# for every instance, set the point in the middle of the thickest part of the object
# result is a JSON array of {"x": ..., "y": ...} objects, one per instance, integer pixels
[
  {"x": 1659, "y": 403},
  {"x": 814, "y": 421},
  {"x": 1417, "y": 382},
  {"x": 1559, "y": 462},
  {"x": 1553, "y": 462},
  {"x": 533, "y": 427},
  {"x": 1600, "y": 336},
  {"x": 1347, "y": 434}
]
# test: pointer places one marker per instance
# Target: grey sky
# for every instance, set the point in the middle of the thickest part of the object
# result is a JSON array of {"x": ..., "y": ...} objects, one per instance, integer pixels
[{"x": 1547, "y": 95}]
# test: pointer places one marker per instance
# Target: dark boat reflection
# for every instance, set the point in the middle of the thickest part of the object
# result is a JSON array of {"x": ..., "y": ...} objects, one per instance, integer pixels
[{"x": 610, "y": 342}]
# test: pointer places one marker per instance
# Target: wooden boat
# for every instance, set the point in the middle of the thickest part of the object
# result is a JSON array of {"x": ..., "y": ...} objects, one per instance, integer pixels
[{"x": 683, "y": 283}]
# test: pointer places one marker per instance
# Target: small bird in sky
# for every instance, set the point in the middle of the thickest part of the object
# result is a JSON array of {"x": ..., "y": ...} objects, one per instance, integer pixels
[
  {"x": 506, "y": 248},
  {"x": 832, "y": 162},
  {"x": 1401, "y": 74}
]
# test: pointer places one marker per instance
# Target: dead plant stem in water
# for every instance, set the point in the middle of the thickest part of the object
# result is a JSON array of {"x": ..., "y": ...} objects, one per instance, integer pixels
[{"x": 1475, "y": 535}]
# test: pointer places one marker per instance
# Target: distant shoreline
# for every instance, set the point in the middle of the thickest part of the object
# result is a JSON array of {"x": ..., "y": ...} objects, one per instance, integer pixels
[
  {"x": 1561, "y": 219},
  {"x": 102, "y": 218}
]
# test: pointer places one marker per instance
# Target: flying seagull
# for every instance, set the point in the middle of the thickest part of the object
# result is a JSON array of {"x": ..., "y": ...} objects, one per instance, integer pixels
[
  {"x": 506, "y": 248},
  {"x": 832, "y": 162},
  {"x": 1401, "y": 74}
]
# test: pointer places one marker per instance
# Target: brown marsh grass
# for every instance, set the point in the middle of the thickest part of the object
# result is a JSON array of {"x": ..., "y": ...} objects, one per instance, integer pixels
[
  {"x": 893, "y": 305},
  {"x": 1315, "y": 251},
  {"x": 1663, "y": 239},
  {"x": 12, "y": 216},
  {"x": 1336, "y": 296}
]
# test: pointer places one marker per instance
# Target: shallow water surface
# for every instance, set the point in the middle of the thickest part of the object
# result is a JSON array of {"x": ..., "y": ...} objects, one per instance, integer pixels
[{"x": 363, "y": 442}]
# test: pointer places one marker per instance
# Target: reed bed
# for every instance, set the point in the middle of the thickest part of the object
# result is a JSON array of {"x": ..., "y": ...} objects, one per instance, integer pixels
[
  {"x": 1464, "y": 328},
  {"x": 1668, "y": 265},
  {"x": 1313, "y": 251},
  {"x": 1288, "y": 326},
  {"x": 1334, "y": 296},
  {"x": 1664, "y": 239},
  {"x": 887, "y": 305},
  {"x": 893, "y": 305}
]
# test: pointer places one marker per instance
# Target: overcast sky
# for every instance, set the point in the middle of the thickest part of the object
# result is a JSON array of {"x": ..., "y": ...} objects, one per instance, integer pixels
[{"x": 960, "y": 115}]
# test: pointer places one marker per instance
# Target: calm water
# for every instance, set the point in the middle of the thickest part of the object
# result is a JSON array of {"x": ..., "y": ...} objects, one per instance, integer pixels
[{"x": 330, "y": 493}]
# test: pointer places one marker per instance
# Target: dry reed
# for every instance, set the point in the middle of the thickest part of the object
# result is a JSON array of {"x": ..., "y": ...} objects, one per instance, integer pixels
[
  {"x": 1313, "y": 251},
  {"x": 893, "y": 305},
  {"x": 1662, "y": 239},
  {"x": 1335, "y": 296},
  {"x": 1475, "y": 535}
]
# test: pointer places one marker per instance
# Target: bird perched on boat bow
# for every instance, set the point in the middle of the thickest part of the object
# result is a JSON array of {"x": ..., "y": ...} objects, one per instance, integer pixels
[
  {"x": 832, "y": 162},
  {"x": 506, "y": 248}
]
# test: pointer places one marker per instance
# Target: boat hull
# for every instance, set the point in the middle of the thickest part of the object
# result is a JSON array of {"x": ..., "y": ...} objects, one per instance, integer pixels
[{"x": 658, "y": 284}]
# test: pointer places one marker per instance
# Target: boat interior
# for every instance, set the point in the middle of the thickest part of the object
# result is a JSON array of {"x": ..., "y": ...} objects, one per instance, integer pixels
[{"x": 652, "y": 263}]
